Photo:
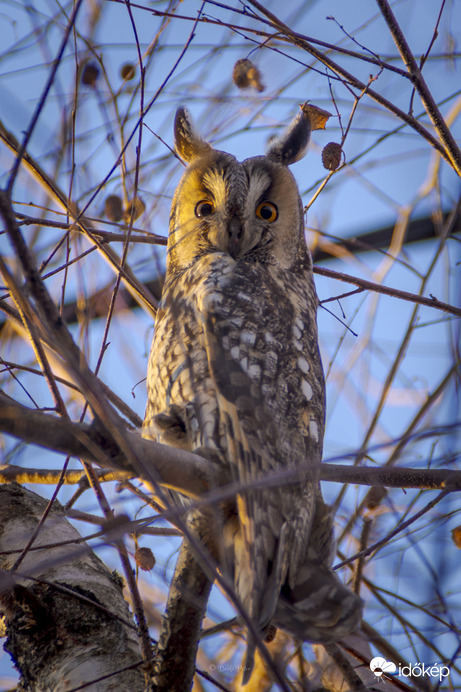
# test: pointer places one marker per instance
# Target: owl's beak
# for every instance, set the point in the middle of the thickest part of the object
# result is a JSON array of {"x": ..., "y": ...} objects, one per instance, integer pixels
[{"x": 235, "y": 236}]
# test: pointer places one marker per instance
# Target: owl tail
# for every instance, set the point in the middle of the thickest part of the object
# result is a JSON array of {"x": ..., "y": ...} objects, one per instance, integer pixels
[
  {"x": 320, "y": 608},
  {"x": 265, "y": 603}
]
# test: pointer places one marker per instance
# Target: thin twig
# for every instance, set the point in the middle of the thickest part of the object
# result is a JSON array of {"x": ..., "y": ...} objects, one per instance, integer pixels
[
  {"x": 367, "y": 522},
  {"x": 389, "y": 291},
  {"x": 41, "y": 103},
  {"x": 351, "y": 79},
  {"x": 350, "y": 676},
  {"x": 402, "y": 527},
  {"x": 134, "y": 286},
  {"x": 446, "y": 137}
]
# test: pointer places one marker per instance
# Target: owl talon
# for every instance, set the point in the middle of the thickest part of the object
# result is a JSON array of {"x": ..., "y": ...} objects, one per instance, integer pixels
[{"x": 171, "y": 427}]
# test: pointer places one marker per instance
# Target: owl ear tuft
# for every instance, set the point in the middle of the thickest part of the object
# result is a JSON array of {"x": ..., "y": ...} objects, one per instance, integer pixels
[
  {"x": 292, "y": 144},
  {"x": 187, "y": 141}
]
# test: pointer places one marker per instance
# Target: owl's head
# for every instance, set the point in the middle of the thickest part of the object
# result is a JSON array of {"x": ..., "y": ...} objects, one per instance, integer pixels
[{"x": 250, "y": 210}]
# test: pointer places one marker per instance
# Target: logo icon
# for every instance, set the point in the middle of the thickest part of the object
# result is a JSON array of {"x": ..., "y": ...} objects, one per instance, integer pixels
[{"x": 379, "y": 665}]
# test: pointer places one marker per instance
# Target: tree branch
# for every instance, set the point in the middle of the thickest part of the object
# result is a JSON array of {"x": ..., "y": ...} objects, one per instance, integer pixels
[
  {"x": 389, "y": 291},
  {"x": 184, "y": 471},
  {"x": 298, "y": 40},
  {"x": 176, "y": 468},
  {"x": 182, "y": 623},
  {"x": 422, "y": 88},
  {"x": 139, "y": 292},
  {"x": 9, "y": 473}
]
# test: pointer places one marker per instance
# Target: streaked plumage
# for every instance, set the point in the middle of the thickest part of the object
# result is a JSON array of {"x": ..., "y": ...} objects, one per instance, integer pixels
[{"x": 235, "y": 370}]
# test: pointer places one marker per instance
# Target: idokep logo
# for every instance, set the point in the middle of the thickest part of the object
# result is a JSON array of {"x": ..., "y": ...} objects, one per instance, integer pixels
[{"x": 379, "y": 666}]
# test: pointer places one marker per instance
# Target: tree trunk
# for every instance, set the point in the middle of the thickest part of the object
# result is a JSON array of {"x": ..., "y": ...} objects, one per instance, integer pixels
[{"x": 66, "y": 621}]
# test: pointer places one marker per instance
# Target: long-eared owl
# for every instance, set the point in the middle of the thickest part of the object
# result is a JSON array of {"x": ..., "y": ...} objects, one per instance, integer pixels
[{"x": 235, "y": 372}]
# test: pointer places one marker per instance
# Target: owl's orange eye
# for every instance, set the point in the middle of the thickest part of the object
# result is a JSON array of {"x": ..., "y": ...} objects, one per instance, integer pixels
[
  {"x": 204, "y": 208},
  {"x": 267, "y": 211}
]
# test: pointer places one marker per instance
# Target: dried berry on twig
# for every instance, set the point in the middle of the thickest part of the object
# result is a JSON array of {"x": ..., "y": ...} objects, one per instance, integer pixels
[
  {"x": 245, "y": 74},
  {"x": 133, "y": 210},
  {"x": 145, "y": 559},
  {"x": 90, "y": 74},
  {"x": 331, "y": 156},
  {"x": 127, "y": 71},
  {"x": 113, "y": 208}
]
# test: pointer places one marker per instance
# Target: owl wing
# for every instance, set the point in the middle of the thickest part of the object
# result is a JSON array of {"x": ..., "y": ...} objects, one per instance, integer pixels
[
  {"x": 264, "y": 429},
  {"x": 257, "y": 536},
  {"x": 239, "y": 412}
]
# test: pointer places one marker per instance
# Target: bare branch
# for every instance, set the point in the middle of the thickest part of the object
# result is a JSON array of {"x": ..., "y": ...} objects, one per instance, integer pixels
[
  {"x": 88, "y": 442},
  {"x": 133, "y": 285},
  {"x": 351, "y": 79},
  {"x": 446, "y": 137},
  {"x": 184, "y": 471},
  {"x": 389, "y": 291}
]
